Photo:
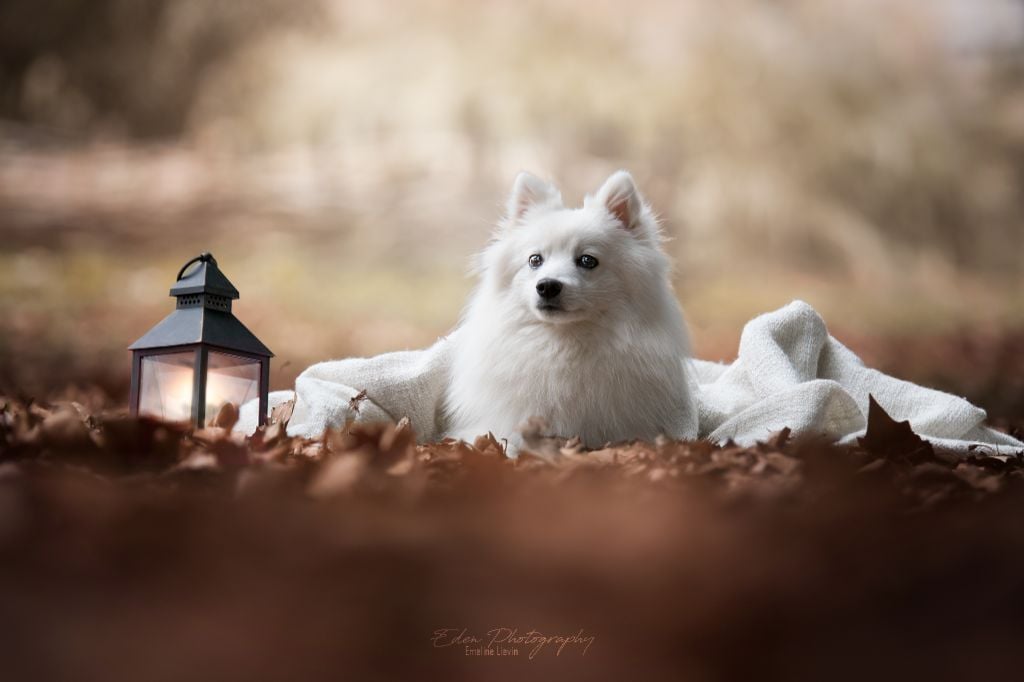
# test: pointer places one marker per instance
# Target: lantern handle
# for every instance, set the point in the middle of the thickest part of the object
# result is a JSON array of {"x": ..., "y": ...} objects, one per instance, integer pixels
[{"x": 204, "y": 257}]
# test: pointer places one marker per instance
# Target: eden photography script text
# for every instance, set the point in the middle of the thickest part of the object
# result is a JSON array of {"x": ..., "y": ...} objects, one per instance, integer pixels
[{"x": 510, "y": 642}]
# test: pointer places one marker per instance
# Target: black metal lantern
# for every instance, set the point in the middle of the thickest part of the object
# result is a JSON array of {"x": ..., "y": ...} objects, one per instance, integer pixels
[{"x": 200, "y": 356}]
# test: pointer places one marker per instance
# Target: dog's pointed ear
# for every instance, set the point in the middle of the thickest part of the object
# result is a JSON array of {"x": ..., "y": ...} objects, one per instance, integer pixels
[
  {"x": 621, "y": 198},
  {"x": 528, "y": 191}
]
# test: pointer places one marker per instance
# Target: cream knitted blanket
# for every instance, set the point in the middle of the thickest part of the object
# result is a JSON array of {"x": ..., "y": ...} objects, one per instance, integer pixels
[{"x": 789, "y": 372}]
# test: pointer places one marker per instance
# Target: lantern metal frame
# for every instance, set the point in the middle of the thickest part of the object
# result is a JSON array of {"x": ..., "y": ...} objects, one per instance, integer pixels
[{"x": 201, "y": 323}]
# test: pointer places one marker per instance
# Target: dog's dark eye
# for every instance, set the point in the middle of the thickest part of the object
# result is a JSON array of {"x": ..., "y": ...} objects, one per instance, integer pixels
[
  {"x": 587, "y": 261},
  {"x": 536, "y": 260}
]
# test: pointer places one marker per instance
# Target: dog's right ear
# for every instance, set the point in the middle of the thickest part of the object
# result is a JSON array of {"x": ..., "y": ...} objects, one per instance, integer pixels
[
  {"x": 529, "y": 191},
  {"x": 621, "y": 199}
]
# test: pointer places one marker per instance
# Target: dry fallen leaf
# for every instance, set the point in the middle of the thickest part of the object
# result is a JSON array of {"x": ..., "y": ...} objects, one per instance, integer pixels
[
  {"x": 338, "y": 476},
  {"x": 282, "y": 414},
  {"x": 64, "y": 428},
  {"x": 890, "y": 438},
  {"x": 355, "y": 401},
  {"x": 226, "y": 417}
]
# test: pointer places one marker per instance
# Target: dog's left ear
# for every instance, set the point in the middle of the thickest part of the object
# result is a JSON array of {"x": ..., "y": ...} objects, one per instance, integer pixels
[
  {"x": 621, "y": 198},
  {"x": 529, "y": 191}
]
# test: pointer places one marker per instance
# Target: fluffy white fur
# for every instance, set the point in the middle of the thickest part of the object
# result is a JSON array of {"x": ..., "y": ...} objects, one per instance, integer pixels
[{"x": 603, "y": 361}]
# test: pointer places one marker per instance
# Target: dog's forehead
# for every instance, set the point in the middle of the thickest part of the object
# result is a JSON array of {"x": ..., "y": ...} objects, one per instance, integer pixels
[{"x": 568, "y": 228}]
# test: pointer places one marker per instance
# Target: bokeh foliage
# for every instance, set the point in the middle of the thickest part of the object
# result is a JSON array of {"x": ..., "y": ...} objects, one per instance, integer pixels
[{"x": 344, "y": 159}]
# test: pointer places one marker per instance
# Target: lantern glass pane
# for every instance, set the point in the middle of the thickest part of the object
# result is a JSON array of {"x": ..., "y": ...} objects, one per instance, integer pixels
[
  {"x": 165, "y": 387},
  {"x": 230, "y": 379}
]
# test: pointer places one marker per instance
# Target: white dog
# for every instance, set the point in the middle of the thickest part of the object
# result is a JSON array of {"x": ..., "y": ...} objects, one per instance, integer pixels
[{"x": 574, "y": 321}]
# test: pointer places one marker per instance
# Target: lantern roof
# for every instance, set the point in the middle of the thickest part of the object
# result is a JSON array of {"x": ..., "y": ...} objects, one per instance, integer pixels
[
  {"x": 187, "y": 326},
  {"x": 206, "y": 278},
  {"x": 203, "y": 314}
]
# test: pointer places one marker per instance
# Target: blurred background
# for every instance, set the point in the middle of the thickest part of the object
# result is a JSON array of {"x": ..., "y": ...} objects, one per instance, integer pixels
[{"x": 344, "y": 159}]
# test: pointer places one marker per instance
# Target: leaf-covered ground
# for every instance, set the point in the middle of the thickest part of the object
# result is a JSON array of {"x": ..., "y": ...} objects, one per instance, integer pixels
[{"x": 137, "y": 550}]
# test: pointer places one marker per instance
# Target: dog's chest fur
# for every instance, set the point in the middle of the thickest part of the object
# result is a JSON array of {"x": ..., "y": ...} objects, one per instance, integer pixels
[{"x": 581, "y": 384}]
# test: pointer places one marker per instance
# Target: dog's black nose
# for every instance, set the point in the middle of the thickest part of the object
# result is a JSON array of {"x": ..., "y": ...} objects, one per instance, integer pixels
[{"x": 549, "y": 288}]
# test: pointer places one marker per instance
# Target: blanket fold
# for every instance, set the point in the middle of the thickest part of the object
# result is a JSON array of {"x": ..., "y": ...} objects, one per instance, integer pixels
[{"x": 789, "y": 372}]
